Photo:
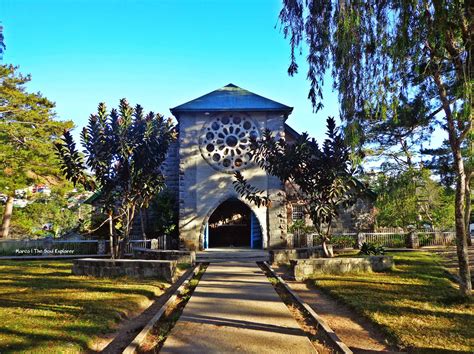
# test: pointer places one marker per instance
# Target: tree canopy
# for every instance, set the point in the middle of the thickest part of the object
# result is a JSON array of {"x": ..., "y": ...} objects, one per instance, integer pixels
[
  {"x": 28, "y": 127},
  {"x": 321, "y": 176},
  {"x": 124, "y": 149}
]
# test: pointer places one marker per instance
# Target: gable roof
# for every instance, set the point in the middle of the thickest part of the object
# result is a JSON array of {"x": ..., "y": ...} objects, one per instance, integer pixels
[{"x": 231, "y": 98}]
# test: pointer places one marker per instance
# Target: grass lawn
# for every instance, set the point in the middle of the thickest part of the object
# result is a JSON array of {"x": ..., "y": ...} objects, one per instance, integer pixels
[
  {"x": 44, "y": 308},
  {"x": 415, "y": 304}
]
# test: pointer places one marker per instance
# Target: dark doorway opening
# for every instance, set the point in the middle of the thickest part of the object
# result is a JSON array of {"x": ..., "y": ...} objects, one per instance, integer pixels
[{"x": 230, "y": 225}]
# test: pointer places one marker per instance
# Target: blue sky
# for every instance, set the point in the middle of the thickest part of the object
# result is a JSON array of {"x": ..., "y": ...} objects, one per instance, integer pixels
[
  {"x": 159, "y": 53},
  {"x": 156, "y": 53}
]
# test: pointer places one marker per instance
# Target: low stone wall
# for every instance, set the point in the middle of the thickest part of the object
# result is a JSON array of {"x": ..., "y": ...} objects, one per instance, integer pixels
[
  {"x": 170, "y": 255},
  {"x": 134, "y": 268},
  {"x": 284, "y": 256},
  {"x": 305, "y": 268}
]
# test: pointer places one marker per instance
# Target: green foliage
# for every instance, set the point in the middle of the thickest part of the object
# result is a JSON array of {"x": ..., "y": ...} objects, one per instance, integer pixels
[
  {"x": 413, "y": 198},
  {"x": 165, "y": 215},
  {"x": 300, "y": 227},
  {"x": 399, "y": 46},
  {"x": 30, "y": 220},
  {"x": 389, "y": 58},
  {"x": 343, "y": 241},
  {"x": 124, "y": 149},
  {"x": 369, "y": 249},
  {"x": 27, "y": 131},
  {"x": 56, "y": 209},
  {"x": 322, "y": 176}
]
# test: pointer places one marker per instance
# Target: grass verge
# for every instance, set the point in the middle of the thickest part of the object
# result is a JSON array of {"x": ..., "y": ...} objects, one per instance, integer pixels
[
  {"x": 44, "y": 308},
  {"x": 415, "y": 304}
]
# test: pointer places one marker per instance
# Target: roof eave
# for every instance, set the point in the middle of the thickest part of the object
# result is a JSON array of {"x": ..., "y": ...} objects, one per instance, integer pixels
[{"x": 175, "y": 111}]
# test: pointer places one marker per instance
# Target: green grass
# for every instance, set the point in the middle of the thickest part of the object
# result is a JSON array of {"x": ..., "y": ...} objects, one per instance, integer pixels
[
  {"x": 415, "y": 304},
  {"x": 44, "y": 308}
]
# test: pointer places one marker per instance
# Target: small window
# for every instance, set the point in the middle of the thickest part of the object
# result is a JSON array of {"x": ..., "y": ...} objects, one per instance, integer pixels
[{"x": 298, "y": 212}]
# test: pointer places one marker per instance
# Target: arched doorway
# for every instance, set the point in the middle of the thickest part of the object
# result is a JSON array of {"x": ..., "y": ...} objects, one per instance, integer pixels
[{"x": 233, "y": 224}]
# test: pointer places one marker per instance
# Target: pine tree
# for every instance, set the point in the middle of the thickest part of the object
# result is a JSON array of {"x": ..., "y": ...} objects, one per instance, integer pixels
[{"x": 27, "y": 131}]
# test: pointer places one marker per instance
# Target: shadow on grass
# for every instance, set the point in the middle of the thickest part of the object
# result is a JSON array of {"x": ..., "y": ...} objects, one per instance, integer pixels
[
  {"x": 417, "y": 292},
  {"x": 42, "y": 305}
]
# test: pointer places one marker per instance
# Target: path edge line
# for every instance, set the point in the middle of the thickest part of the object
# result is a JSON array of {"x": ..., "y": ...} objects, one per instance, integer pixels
[
  {"x": 140, "y": 338},
  {"x": 336, "y": 341}
]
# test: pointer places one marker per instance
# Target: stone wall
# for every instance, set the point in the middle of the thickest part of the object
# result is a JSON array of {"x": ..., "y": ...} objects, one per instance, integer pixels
[
  {"x": 174, "y": 255},
  {"x": 305, "y": 268},
  {"x": 170, "y": 168},
  {"x": 134, "y": 268},
  {"x": 284, "y": 256},
  {"x": 202, "y": 188}
]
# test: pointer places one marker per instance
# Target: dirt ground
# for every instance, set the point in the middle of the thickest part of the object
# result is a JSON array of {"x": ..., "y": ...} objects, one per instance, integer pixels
[{"x": 359, "y": 334}]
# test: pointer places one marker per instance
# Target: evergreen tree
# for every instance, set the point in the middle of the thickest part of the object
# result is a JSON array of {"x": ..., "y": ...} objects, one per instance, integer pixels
[{"x": 27, "y": 131}]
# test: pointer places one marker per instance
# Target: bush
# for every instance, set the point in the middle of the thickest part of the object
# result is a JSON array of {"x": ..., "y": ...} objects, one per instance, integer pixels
[
  {"x": 343, "y": 241},
  {"x": 369, "y": 249}
]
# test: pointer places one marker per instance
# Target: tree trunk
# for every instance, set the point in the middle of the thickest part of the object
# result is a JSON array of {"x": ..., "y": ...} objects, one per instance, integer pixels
[
  {"x": 326, "y": 251},
  {"x": 142, "y": 223},
  {"x": 465, "y": 283},
  {"x": 7, "y": 216},
  {"x": 111, "y": 236},
  {"x": 467, "y": 210}
]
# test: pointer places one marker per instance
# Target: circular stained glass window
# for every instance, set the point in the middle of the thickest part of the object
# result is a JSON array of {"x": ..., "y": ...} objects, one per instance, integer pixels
[{"x": 225, "y": 141}]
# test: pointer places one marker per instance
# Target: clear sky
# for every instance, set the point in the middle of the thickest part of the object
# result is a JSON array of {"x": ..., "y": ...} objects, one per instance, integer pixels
[{"x": 159, "y": 53}]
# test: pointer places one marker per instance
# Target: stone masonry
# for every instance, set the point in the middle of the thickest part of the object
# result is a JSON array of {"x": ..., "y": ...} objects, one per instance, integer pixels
[{"x": 202, "y": 187}]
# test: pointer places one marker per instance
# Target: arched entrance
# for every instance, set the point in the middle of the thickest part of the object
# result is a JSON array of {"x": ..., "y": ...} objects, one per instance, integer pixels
[{"x": 233, "y": 224}]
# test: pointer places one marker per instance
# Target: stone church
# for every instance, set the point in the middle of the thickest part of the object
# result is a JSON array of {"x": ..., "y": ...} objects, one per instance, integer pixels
[{"x": 214, "y": 134}]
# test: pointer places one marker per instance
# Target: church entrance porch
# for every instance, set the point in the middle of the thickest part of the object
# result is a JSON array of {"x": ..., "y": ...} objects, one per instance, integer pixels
[{"x": 233, "y": 225}]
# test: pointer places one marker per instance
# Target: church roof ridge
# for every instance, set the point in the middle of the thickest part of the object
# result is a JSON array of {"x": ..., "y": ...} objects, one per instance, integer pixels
[{"x": 231, "y": 98}]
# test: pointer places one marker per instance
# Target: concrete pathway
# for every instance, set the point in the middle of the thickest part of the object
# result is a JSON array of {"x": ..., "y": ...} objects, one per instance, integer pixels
[
  {"x": 214, "y": 255},
  {"x": 235, "y": 309}
]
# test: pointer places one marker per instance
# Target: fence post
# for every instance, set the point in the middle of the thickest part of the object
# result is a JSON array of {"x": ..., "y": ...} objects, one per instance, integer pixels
[
  {"x": 154, "y": 244},
  {"x": 360, "y": 239},
  {"x": 101, "y": 247},
  {"x": 412, "y": 239},
  {"x": 289, "y": 240},
  {"x": 309, "y": 240}
]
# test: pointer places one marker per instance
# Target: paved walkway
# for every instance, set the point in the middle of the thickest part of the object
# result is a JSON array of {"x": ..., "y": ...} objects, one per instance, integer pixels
[
  {"x": 229, "y": 254},
  {"x": 235, "y": 309}
]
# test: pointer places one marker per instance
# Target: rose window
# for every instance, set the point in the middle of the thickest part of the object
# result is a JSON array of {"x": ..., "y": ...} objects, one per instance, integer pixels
[{"x": 225, "y": 141}]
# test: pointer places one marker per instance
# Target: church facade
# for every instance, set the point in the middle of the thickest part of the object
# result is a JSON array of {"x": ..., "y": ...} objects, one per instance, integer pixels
[{"x": 213, "y": 143}]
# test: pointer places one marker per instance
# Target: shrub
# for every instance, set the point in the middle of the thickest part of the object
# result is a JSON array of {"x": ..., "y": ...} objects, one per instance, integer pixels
[{"x": 371, "y": 249}]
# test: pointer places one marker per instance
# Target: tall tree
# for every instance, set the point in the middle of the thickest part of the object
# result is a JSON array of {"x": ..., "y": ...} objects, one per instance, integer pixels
[
  {"x": 397, "y": 139},
  {"x": 124, "y": 149},
  {"x": 27, "y": 130},
  {"x": 379, "y": 51}
]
